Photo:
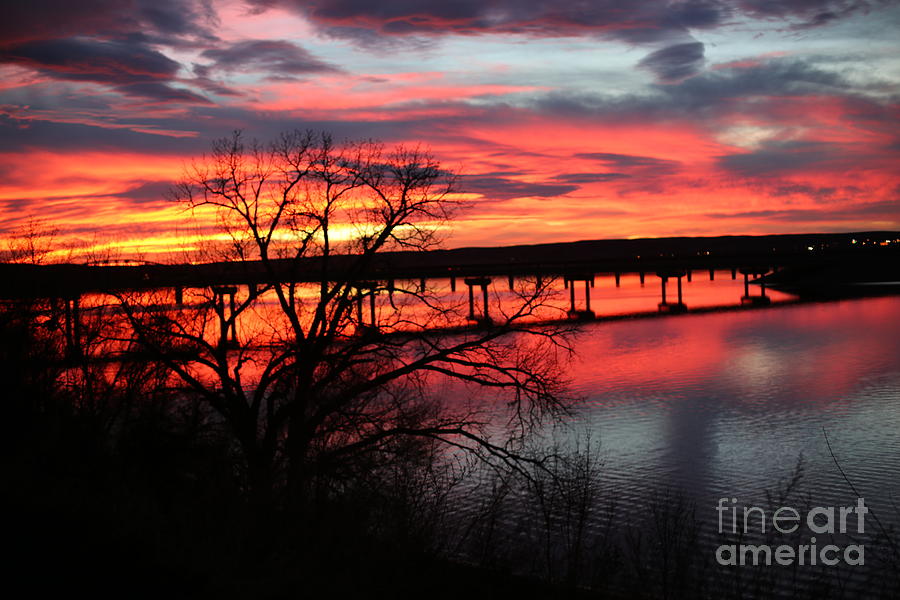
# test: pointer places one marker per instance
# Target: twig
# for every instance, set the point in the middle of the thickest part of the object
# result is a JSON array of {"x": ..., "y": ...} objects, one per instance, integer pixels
[{"x": 855, "y": 491}]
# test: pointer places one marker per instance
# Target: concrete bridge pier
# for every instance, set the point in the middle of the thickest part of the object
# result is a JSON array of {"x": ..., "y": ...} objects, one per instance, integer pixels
[
  {"x": 586, "y": 314},
  {"x": 179, "y": 296},
  {"x": 618, "y": 279},
  {"x": 364, "y": 289},
  {"x": 72, "y": 326},
  {"x": 689, "y": 275},
  {"x": 642, "y": 275},
  {"x": 671, "y": 307},
  {"x": 712, "y": 274},
  {"x": 227, "y": 325},
  {"x": 761, "y": 299},
  {"x": 485, "y": 318},
  {"x": 452, "y": 283}
]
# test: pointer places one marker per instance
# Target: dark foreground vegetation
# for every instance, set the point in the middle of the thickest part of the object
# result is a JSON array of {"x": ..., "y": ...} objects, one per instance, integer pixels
[{"x": 126, "y": 491}]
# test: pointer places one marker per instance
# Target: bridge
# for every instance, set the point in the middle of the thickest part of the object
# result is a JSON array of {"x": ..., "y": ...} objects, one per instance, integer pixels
[
  {"x": 665, "y": 256},
  {"x": 670, "y": 260}
]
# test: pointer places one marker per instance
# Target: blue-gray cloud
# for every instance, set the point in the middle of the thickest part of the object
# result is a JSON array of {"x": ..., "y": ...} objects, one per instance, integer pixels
[
  {"x": 808, "y": 13},
  {"x": 638, "y": 22},
  {"x": 780, "y": 157},
  {"x": 129, "y": 67},
  {"x": 881, "y": 210},
  {"x": 273, "y": 56},
  {"x": 631, "y": 162},
  {"x": 582, "y": 178},
  {"x": 675, "y": 63},
  {"x": 92, "y": 60},
  {"x": 169, "y": 21},
  {"x": 498, "y": 187}
]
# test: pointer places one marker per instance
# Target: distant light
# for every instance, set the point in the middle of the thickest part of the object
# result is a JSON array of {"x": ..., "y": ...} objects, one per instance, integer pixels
[
  {"x": 852, "y": 241},
  {"x": 810, "y": 248}
]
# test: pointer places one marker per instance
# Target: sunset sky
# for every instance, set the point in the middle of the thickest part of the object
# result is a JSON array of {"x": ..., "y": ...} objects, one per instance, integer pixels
[{"x": 568, "y": 120}]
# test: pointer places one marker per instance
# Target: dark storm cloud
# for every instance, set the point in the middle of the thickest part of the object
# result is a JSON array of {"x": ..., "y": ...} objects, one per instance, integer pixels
[
  {"x": 92, "y": 60},
  {"x": 130, "y": 68},
  {"x": 759, "y": 90},
  {"x": 274, "y": 56},
  {"x": 772, "y": 78},
  {"x": 675, "y": 63},
  {"x": 109, "y": 19},
  {"x": 125, "y": 42},
  {"x": 108, "y": 42},
  {"x": 808, "y": 13},
  {"x": 638, "y": 22}
]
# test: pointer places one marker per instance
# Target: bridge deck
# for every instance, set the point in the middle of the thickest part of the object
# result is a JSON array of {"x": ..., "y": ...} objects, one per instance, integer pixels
[{"x": 662, "y": 255}]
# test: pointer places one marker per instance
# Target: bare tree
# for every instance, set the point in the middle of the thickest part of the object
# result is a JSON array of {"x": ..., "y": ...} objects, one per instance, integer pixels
[
  {"x": 311, "y": 386},
  {"x": 31, "y": 243}
]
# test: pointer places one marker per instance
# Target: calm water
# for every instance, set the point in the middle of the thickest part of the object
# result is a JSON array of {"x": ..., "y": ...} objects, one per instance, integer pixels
[{"x": 724, "y": 404}]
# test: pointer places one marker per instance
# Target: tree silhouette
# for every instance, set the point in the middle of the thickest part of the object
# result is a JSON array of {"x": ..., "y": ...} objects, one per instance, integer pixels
[
  {"x": 31, "y": 243},
  {"x": 313, "y": 387}
]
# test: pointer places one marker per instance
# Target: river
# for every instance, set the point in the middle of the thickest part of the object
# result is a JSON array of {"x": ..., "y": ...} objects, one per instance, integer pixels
[{"x": 729, "y": 405}]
